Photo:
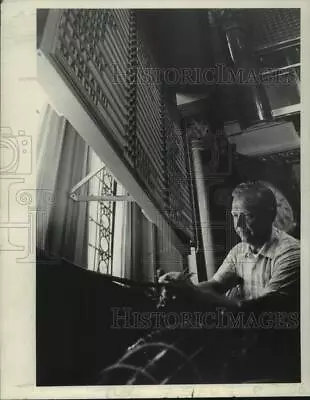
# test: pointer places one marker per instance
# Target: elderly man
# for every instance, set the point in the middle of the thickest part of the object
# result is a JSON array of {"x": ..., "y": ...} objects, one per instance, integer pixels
[{"x": 264, "y": 265}]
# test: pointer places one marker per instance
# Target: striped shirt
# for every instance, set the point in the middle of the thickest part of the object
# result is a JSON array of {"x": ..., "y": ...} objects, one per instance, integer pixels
[{"x": 275, "y": 268}]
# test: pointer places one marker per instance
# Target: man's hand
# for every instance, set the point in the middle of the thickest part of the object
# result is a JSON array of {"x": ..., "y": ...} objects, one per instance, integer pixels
[
  {"x": 175, "y": 283},
  {"x": 179, "y": 282},
  {"x": 172, "y": 276}
]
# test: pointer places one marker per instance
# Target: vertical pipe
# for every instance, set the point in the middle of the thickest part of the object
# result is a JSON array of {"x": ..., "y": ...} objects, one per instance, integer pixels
[
  {"x": 192, "y": 265},
  {"x": 216, "y": 111},
  {"x": 253, "y": 103},
  {"x": 204, "y": 210},
  {"x": 149, "y": 265}
]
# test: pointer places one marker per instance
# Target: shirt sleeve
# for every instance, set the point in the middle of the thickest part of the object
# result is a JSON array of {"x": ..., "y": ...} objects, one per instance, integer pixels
[
  {"x": 227, "y": 273},
  {"x": 286, "y": 273}
]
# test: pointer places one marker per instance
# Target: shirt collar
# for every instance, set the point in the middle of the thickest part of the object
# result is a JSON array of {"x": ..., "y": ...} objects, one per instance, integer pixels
[{"x": 268, "y": 249}]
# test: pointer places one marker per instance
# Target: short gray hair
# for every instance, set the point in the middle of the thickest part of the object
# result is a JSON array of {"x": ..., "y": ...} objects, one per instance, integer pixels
[{"x": 258, "y": 193}]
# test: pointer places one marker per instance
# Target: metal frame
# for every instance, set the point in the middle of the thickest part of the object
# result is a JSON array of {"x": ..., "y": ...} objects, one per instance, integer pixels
[{"x": 76, "y": 197}]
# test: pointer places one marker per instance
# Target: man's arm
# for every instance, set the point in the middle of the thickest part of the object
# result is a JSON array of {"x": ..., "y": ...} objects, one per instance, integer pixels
[
  {"x": 206, "y": 293},
  {"x": 282, "y": 291},
  {"x": 286, "y": 273},
  {"x": 212, "y": 291},
  {"x": 226, "y": 277},
  {"x": 212, "y": 285}
]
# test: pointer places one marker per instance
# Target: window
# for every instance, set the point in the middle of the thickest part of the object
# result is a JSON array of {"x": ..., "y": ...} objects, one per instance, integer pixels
[{"x": 105, "y": 221}]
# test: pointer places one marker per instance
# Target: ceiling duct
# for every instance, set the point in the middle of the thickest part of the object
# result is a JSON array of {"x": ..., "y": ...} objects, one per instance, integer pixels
[{"x": 264, "y": 139}]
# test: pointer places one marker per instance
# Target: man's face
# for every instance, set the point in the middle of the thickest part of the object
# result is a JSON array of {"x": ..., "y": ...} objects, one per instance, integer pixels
[{"x": 250, "y": 222}]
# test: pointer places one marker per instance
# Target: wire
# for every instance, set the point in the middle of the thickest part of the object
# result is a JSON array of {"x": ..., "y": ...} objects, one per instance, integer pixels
[
  {"x": 167, "y": 347},
  {"x": 201, "y": 349},
  {"x": 131, "y": 368}
]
